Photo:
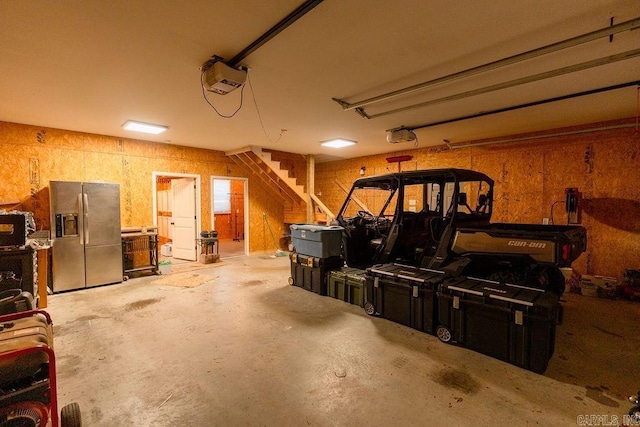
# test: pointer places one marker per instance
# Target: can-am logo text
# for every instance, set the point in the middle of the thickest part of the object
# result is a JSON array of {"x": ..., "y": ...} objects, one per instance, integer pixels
[{"x": 525, "y": 244}]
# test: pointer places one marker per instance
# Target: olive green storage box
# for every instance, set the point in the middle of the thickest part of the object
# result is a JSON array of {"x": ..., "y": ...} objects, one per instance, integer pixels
[{"x": 348, "y": 285}]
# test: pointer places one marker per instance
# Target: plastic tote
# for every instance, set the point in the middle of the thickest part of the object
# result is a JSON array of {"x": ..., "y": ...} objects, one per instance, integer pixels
[{"x": 318, "y": 241}]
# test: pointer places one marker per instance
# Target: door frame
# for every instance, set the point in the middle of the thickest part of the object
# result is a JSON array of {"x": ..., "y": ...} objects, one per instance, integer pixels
[
  {"x": 154, "y": 177},
  {"x": 246, "y": 206}
]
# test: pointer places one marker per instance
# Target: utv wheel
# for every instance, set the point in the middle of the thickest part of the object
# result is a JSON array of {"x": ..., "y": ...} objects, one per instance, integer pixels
[
  {"x": 443, "y": 333},
  {"x": 70, "y": 416},
  {"x": 290, "y": 280},
  {"x": 369, "y": 308}
]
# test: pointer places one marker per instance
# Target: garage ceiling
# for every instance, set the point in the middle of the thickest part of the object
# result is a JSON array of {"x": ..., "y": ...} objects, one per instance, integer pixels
[{"x": 90, "y": 66}]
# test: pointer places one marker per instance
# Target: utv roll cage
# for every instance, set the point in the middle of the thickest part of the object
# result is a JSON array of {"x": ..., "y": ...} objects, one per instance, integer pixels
[{"x": 409, "y": 216}]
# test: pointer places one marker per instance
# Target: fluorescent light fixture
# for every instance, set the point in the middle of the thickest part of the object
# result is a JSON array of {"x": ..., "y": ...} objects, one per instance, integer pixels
[
  {"x": 337, "y": 143},
  {"x": 144, "y": 127}
]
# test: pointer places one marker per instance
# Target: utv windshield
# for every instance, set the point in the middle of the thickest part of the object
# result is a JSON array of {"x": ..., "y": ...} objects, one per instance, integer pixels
[{"x": 377, "y": 200}]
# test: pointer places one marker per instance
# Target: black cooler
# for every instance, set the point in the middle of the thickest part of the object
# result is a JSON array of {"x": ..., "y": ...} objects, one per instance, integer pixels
[
  {"x": 404, "y": 294},
  {"x": 509, "y": 322}
]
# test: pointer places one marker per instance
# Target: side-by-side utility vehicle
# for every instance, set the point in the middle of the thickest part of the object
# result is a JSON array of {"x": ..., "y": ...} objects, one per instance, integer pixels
[{"x": 441, "y": 219}]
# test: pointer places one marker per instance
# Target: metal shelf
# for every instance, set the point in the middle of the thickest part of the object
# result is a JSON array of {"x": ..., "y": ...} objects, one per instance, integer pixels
[{"x": 139, "y": 250}]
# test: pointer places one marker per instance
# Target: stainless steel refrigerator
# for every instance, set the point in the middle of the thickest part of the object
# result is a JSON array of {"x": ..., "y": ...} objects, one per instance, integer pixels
[{"x": 87, "y": 246}]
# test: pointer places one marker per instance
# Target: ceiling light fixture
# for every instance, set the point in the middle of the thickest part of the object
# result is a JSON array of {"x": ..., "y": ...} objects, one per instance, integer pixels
[
  {"x": 337, "y": 143},
  {"x": 144, "y": 127}
]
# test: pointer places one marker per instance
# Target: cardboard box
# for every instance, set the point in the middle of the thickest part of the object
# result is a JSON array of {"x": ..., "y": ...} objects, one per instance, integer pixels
[
  {"x": 209, "y": 258},
  {"x": 603, "y": 286}
]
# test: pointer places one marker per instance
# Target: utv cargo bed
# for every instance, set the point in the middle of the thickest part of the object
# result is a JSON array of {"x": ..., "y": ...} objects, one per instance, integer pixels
[{"x": 557, "y": 245}]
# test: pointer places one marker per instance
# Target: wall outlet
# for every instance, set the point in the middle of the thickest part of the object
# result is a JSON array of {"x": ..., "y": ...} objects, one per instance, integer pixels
[{"x": 545, "y": 221}]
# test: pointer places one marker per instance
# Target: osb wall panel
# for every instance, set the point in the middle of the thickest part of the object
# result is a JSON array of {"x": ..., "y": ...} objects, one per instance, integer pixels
[
  {"x": 263, "y": 203},
  {"x": 36, "y": 155},
  {"x": 237, "y": 188},
  {"x": 224, "y": 226},
  {"x": 531, "y": 175}
]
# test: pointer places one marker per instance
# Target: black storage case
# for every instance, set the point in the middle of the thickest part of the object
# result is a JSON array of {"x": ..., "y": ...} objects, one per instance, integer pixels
[
  {"x": 12, "y": 230},
  {"x": 404, "y": 294},
  {"x": 310, "y": 273},
  {"x": 509, "y": 322},
  {"x": 19, "y": 261}
]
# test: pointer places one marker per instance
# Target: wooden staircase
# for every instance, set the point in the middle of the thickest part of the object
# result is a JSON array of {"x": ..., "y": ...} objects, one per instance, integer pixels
[{"x": 286, "y": 188}]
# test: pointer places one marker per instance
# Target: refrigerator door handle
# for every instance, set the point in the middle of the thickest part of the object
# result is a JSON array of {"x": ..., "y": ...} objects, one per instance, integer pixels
[
  {"x": 86, "y": 219},
  {"x": 80, "y": 222}
]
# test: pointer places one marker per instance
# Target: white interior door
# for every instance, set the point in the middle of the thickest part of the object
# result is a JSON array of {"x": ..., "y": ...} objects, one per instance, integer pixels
[{"x": 183, "y": 219}]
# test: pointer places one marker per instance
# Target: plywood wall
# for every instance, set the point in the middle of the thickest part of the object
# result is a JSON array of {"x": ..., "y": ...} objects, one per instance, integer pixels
[
  {"x": 33, "y": 156},
  {"x": 530, "y": 176}
]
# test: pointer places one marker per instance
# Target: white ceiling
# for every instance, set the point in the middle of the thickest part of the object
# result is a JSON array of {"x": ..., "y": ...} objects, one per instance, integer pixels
[{"x": 91, "y": 65}]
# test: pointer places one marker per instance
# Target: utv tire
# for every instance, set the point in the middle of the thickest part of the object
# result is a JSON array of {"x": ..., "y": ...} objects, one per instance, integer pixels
[
  {"x": 369, "y": 308},
  {"x": 70, "y": 416},
  {"x": 444, "y": 334}
]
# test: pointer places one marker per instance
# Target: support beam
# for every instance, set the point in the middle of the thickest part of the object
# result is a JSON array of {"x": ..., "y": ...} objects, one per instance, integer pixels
[
  {"x": 323, "y": 207},
  {"x": 311, "y": 176}
]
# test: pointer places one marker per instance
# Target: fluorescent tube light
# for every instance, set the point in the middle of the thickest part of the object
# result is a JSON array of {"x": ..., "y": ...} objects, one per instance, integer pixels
[
  {"x": 337, "y": 143},
  {"x": 144, "y": 127}
]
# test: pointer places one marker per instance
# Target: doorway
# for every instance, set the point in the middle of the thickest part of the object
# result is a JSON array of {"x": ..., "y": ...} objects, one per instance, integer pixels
[
  {"x": 176, "y": 214},
  {"x": 229, "y": 214}
]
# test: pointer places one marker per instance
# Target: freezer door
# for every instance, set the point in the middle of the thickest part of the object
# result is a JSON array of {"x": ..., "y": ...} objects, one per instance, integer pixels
[
  {"x": 103, "y": 264},
  {"x": 101, "y": 214},
  {"x": 67, "y": 264},
  {"x": 68, "y": 249},
  {"x": 102, "y": 233}
]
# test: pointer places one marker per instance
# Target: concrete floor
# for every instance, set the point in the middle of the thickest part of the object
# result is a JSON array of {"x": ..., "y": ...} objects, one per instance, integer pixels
[{"x": 245, "y": 348}]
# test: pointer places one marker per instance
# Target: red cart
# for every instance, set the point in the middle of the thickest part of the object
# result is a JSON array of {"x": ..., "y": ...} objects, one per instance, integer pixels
[{"x": 28, "y": 389}]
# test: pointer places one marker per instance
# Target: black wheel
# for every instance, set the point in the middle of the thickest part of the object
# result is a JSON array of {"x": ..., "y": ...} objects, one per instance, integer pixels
[
  {"x": 70, "y": 416},
  {"x": 444, "y": 334},
  {"x": 634, "y": 413},
  {"x": 290, "y": 280},
  {"x": 369, "y": 308}
]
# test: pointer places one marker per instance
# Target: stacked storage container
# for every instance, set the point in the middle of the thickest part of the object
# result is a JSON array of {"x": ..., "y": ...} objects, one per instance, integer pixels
[
  {"x": 509, "y": 322},
  {"x": 316, "y": 252},
  {"x": 404, "y": 294},
  {"x": 348, "y": 285}
]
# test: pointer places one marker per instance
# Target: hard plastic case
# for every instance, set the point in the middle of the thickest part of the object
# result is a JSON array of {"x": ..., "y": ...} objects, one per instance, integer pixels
[
  {"x": 404, "y": 294},
  {"x": 513, "y": 323},
  {"x": 348, "y": 285},
  {"x": 319, "y": 241},
  {"x": 310, "y": 273}
]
